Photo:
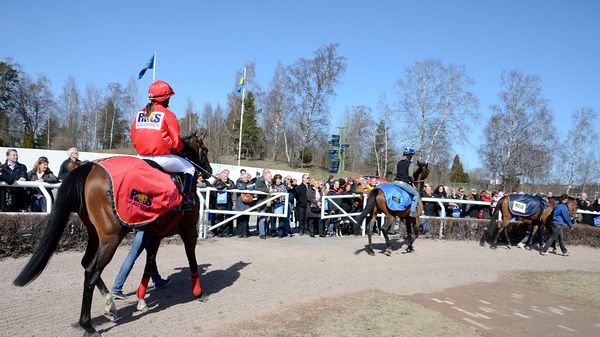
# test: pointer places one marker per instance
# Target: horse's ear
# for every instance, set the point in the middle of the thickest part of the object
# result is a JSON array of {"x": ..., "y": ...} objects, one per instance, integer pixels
[{"x": 200, "y": 134}]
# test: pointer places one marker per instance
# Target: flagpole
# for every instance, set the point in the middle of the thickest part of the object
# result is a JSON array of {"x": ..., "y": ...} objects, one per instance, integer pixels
[
  {"x": 154, "y": 68},
  {"x": 241, "y": 119}
]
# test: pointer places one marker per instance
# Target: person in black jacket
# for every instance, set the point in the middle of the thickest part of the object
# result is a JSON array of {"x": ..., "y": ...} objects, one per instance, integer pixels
[
  {"x": 70, "y": 163},
  {"x": 302, "y": 202},
  {"x": 585, "y": 205},
  {"x": 405, "y": 170},
  {"x": 15, "y": 199}
]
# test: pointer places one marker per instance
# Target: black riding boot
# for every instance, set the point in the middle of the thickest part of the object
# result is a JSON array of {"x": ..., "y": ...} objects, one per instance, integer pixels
[{"x": 188, "y": 200}]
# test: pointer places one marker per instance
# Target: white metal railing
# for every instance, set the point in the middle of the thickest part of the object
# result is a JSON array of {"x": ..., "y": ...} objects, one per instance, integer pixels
[
  {"x": 204, "y": 195},
  {"x": 35, "y": 184},
  {"x": 205, "y": 207}
]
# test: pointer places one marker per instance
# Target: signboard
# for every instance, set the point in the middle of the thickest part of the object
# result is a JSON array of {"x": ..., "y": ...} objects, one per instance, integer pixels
[
  {"x": 335, "y": 166},
  {"x": 332, "y": 154},
  {"x": 345, "y": 146}
]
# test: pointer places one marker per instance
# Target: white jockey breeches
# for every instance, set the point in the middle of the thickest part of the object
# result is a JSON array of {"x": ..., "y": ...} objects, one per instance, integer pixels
[{"x": 172, "y": 163}]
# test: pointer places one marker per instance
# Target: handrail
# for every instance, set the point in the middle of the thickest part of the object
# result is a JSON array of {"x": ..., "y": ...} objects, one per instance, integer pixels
[{"x": 36, "y": 184}]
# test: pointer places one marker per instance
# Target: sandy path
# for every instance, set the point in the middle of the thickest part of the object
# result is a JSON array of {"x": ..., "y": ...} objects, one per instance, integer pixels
[{"x": 248, "y": 278}]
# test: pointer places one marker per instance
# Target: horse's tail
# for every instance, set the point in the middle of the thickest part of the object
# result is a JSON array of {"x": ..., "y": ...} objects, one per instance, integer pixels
[
  {"x": 69, "y": 199},
  {"x": 368, "y": 207}
]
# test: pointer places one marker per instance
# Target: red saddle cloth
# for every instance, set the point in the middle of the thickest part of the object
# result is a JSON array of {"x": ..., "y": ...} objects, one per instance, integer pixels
[{"x": 140, "y": 193}]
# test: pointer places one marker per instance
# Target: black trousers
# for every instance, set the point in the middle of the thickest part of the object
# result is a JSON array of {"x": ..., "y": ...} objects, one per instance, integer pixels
[
  {"x": 557, "y": 233},
  {"x": 302, "y": 219}
]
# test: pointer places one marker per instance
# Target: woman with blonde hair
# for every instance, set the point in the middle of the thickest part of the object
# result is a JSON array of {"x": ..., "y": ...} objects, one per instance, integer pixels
[{"x": 40, "y": 173}]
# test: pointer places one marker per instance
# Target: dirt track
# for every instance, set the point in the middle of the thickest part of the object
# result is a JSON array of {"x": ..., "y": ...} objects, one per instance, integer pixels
[{"x": 274, "y": 281}]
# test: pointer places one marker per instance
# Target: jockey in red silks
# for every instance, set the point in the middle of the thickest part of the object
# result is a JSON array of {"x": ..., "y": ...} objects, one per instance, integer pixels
[{"x": 155, "y": 135}]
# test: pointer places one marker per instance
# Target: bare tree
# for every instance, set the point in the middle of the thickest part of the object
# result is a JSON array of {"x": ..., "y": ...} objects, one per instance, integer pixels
[
  {"x": 436, "y": 105},
  {"x": 277, "y": 105},
  {"x": 359, "y": 125},
  {"x": 32, "y": 102},
  {"x": 518, "y": 137},
  {"x": 130, "y": 104},
  {"x": 92, "y": 109},
  {"x": 71, "y": 107},
  {"x": 577, "y": 147},
  {"x": 313, "y": 82},
  {"x": 191, "y": 120}
]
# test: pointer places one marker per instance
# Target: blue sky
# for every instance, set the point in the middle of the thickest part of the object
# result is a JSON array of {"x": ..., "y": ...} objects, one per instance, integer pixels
[{"x": 201, "y": 44}]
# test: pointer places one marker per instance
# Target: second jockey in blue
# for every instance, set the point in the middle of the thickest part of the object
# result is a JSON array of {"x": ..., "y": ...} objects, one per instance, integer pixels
[{"x": 404, "y": 178}]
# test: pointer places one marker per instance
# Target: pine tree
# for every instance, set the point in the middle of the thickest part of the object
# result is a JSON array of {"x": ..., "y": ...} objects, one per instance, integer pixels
[
  {"x": 252, "y": 135},
  {"x": 457, "y": 172}
]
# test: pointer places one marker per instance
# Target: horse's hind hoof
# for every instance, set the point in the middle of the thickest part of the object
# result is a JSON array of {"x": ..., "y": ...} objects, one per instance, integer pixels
[
  {"x": 110, "y": 316},
  {"x": 371, "y": 252},
  {"x": 203, "y": 297}
]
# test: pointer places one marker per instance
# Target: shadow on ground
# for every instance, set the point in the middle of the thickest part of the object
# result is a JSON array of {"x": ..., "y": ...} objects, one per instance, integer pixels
[{"x": 178, "y": 292}]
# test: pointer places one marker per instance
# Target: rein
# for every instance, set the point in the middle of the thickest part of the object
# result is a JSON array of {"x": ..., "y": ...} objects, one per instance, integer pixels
[{"x": 199, "y": 167}]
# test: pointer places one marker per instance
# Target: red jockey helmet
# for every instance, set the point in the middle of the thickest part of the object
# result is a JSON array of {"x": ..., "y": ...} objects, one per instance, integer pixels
[{"x": 160, "y": 91}]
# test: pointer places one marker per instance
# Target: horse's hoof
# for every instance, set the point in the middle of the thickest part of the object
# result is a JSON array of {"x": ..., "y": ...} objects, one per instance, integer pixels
[
  {"x": 388, "y": 253},
  {"x": 203, "y": 297},
  {"x": 410, "y": 249},
  {"x": 111, "y": 316},
  {"x": 141, "y": 306},
  {"x": 371, "y": 252}
]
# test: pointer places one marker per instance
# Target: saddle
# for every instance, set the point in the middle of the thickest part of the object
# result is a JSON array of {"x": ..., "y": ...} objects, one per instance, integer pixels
[
  {"x": 139, "y": 192},
  {"x": 525, "y": 204},
  {"x": 396, "y": 198}
]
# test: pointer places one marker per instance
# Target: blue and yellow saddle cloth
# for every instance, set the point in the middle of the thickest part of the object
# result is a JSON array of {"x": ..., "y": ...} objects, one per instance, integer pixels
[
  {"x": 524, "y": 204},
  {"x": 397, "y": 199}
]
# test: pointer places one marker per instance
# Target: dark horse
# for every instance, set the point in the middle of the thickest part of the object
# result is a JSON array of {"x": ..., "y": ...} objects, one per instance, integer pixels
[
  {"x": 376, "y": 204},
  {"x": 541, "y": 218},
  {"x": 84, "y": 191}
]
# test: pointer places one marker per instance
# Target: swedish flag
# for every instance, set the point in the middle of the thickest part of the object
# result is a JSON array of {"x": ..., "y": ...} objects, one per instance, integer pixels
[{"x": 240, "y": 85}]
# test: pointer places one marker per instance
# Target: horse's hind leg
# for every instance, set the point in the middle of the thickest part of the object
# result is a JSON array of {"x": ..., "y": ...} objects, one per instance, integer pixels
[
  {"x": 370, "y": 250},
  {"x": 103, "y": 255},
  {"x": 389, "y": 222},
  {"x": 110, "y": 309},
  {"x": 503, "y": 227},
  {"x": 508, "y": 243}
]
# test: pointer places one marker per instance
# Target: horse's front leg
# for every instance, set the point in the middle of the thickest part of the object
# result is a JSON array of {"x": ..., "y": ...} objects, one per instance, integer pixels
[
  {"x": 149, "y": 269},
  {"x": 189, "y": 236}
]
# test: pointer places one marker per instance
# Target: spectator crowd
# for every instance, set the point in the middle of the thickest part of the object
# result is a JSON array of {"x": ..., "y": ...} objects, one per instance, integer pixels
[{"x": 305, "y": 199}]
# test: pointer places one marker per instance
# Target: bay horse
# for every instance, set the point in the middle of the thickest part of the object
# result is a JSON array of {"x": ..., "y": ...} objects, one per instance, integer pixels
[
  {"x": 541, "y": 218},
  {"x": 376, "y": 204},
  {"x": 85, "y": 191}
]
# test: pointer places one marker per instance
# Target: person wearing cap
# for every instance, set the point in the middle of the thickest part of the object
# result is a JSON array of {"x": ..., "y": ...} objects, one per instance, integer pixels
[
  {"x": 155, "y": 136},
  {"x": 70, "y": 163},
  {"x": 405, "y": 170}
]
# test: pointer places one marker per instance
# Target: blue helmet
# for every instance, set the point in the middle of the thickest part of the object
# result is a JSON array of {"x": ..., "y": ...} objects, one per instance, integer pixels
[{"x": 409, "y": 151}]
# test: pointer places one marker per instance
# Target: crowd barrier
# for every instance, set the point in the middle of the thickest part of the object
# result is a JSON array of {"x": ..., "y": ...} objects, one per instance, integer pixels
[{"x": 204, "y": 195}]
